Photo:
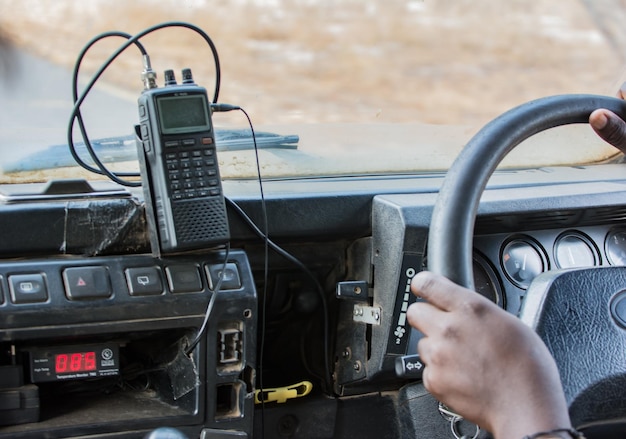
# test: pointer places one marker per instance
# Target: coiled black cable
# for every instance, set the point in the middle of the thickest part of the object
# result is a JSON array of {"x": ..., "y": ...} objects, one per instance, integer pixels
[{"x": 78, "y": 100}]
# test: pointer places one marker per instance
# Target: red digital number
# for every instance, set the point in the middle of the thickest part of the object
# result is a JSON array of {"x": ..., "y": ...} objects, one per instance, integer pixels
[
  {"x": 90, "y": 360},
  {"x": 75, "y": 362},
  {"x": 60, "y": 364}
]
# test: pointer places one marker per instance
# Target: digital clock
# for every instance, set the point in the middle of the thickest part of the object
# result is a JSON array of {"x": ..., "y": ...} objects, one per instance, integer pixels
[{"x": 60, "y": 363}]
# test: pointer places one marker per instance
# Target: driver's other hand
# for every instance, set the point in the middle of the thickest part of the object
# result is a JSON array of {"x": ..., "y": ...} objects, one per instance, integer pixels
[
  {"x": 609, "y": 126},
  {"x": 483, "y": 362}
]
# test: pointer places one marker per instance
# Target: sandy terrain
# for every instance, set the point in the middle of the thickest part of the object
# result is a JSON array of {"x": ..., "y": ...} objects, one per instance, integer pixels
[{"x": 444, "y": 61}]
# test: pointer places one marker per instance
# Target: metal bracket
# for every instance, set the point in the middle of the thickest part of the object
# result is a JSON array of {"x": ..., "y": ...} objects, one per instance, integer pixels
[
  {"x": 354, "y": 290},
  {"x": 367, "y": 314}
]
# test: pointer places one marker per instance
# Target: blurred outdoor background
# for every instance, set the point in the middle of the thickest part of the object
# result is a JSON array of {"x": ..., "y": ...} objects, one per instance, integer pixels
[{"x": 433, "y": 61}]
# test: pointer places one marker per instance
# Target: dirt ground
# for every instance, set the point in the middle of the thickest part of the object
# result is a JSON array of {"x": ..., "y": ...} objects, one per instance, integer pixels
[{"x": 434, "y": 61}]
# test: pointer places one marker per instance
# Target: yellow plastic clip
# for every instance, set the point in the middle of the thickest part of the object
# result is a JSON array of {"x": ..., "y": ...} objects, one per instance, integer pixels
[{"x": 282, "y": 394}]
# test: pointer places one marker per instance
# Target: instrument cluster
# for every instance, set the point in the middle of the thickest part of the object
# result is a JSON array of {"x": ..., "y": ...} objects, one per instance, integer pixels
[{"x": 505, "y": 264}]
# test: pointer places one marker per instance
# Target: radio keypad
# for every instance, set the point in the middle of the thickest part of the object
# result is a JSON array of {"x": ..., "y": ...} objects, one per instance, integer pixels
[{"x": 192, "y": 172}]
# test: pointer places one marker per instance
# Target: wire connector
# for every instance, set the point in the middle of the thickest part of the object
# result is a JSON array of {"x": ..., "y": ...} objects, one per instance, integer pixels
[
  {"x": 148, "y": 76},
  {"x": 224, "y": 107}
]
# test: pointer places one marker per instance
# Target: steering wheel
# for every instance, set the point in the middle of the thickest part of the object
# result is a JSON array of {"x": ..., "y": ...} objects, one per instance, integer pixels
[{"x": 573, "y": 311}]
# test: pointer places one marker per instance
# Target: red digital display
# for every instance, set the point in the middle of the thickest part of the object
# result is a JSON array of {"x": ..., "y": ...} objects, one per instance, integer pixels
[{"x": 75, "y": 362}]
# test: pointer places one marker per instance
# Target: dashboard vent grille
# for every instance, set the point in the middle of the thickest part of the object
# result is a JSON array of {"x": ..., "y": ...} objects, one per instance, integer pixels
[
  {"x": 604, "y": 215},
  {"x": 549, "y": 220},
  {"x": 527, "y": 221}
]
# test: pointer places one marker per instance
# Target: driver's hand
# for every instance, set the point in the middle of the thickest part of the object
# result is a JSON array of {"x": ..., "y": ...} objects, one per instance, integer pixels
[
  {"x": 483, "y": 362},
  {"x": 610, "y": 126}
]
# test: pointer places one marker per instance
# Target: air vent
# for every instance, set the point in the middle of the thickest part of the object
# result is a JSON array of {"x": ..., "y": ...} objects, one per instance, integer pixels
[
  {"x": 550, "y": 220},
  {"x": 528, "y": 221},
  {"x": 605, "y": 215}
]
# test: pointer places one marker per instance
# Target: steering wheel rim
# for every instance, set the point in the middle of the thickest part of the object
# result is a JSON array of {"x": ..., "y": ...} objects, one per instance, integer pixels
[
  {"x": 452, "y": 225},
  {"x": 450, "y": 253}
]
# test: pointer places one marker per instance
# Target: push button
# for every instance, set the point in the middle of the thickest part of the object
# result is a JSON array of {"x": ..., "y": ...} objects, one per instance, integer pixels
[
  {"x": 184, "y": 278},
  {"x": 28, "y": 288},
  {"x": 82, "y": 283},
  {"x": 409, "y": 366},
  {"x": 144, "y": 281},
  {"x": 231, "y": 279}
]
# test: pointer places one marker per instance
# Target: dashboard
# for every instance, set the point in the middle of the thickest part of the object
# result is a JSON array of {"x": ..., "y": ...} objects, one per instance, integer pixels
[{"x": 101, "y": 339}]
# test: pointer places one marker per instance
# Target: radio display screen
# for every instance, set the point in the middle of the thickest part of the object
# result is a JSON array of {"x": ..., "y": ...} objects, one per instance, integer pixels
[{"x": 183, "y": 114}]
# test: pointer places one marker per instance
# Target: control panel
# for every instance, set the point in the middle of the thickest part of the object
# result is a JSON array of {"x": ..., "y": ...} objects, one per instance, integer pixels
[
  {"x": 71, "y": 294},
  {"x": 125, "y": 343}
]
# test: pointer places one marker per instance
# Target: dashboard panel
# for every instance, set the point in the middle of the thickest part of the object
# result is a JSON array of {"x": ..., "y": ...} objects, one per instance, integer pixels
[{"x": 359, "y": 242}]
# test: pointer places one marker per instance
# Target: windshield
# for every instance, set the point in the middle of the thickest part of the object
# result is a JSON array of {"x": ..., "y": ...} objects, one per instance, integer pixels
[{"x": 347, "y": 87}]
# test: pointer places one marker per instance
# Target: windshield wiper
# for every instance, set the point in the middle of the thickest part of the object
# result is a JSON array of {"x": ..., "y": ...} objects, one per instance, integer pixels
[{"x": 123, "y": 148}]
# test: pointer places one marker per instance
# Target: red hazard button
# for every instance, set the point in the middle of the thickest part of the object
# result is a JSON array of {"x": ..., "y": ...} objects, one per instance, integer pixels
[{"x": 83, "y": 283}]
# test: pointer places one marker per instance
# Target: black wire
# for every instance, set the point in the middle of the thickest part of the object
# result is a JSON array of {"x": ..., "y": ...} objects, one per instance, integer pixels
[
  {"x": 285, "y": 254},
  {"x": 265, "y": 267},
  {"x": 210, "y": 305},
  {"x": 79, "y": 116},
  {"x": 268, "y": 243},
  {"x": 103, "y": 169}
]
